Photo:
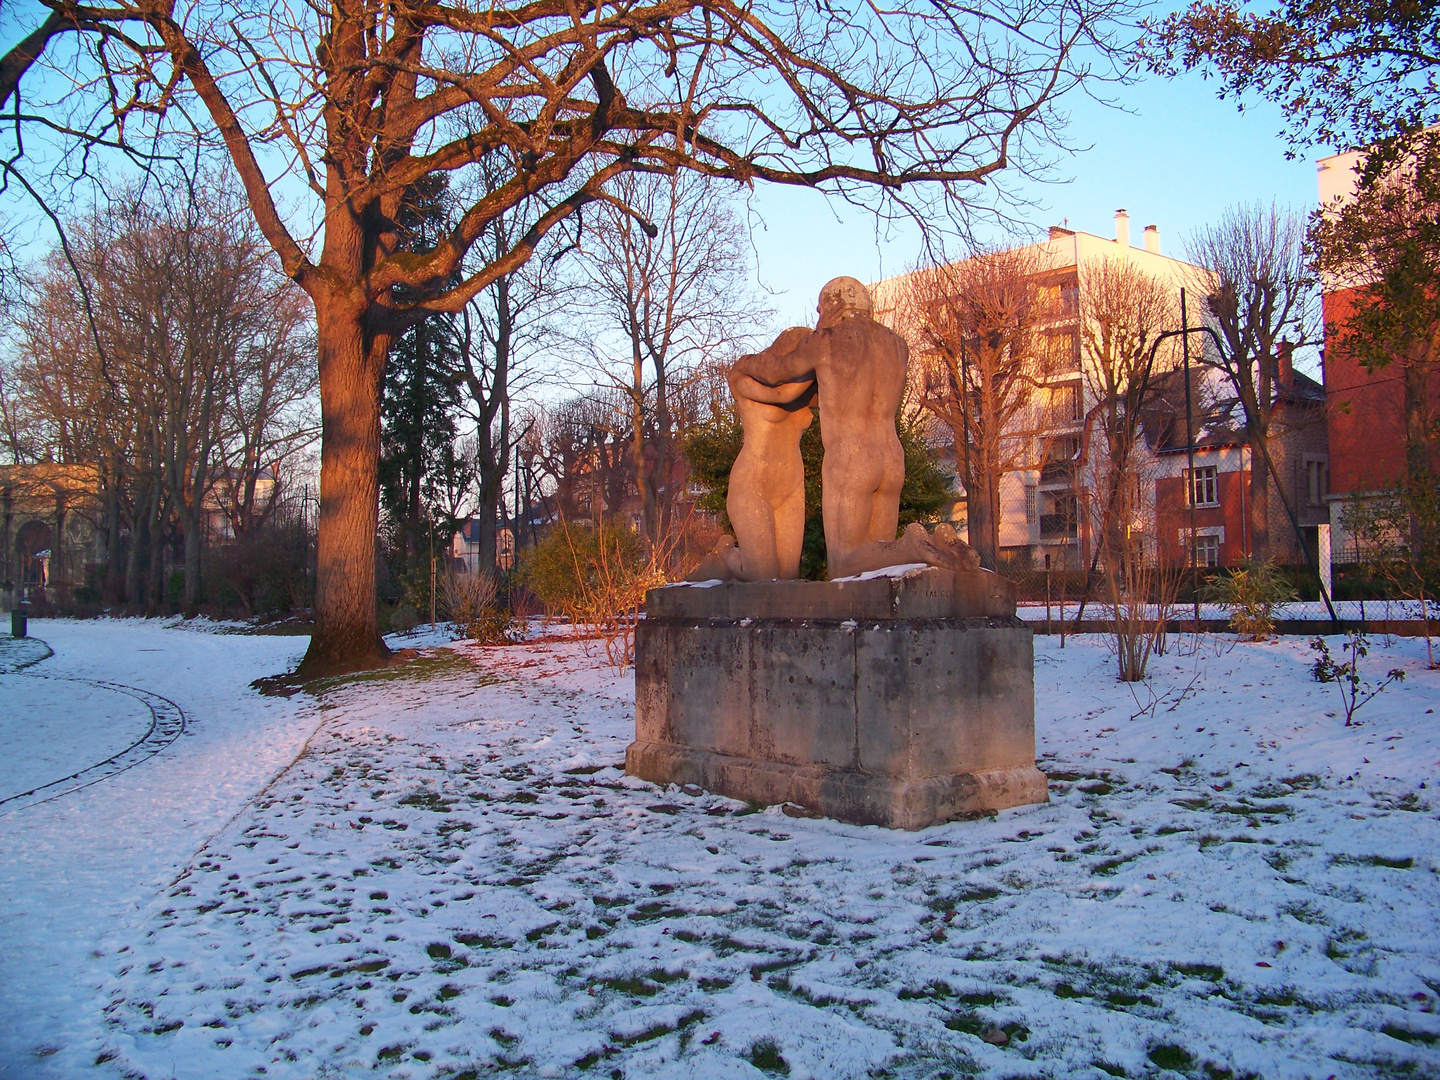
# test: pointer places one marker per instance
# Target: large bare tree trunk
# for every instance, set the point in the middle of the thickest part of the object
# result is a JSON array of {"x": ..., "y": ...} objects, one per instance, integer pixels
[
  {"x": 984, "y": 518},
  {"x": 1259, "y": 496},
  {"x": 347, "y": 629}
]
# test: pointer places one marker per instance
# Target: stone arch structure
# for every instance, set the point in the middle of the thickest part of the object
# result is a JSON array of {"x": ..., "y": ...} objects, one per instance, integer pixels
[{"x": 48, "y": 533}]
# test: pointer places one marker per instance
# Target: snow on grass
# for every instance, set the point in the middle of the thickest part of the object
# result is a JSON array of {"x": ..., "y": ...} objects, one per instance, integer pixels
[
  {"x": 80, "y": 868},
  {"x": 457, "y": 880}
]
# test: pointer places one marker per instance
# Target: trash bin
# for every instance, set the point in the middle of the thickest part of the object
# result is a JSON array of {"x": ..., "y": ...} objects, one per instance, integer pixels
[{"x": 19, "y": 620}]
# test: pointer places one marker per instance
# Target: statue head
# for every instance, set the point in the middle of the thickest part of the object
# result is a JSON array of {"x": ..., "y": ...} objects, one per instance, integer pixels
[{"x": 842, "y": 297}]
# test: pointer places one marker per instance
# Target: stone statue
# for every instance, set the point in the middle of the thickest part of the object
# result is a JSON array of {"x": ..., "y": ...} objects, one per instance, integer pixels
[{"x": 859, "y": 369}]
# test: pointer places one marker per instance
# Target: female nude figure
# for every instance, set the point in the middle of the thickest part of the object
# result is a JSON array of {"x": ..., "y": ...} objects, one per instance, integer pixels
[{"x": 766, "y": 500}]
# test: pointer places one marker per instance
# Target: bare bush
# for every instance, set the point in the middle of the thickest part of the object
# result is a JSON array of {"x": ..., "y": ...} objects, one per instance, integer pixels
[{"x": 471, "y": 603}]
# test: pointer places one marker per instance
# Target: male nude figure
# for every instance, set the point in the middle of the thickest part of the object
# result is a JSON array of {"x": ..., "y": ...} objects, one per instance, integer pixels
[
  {"x": 766, "y": 500},
  {"x": 859, "y": 369}
]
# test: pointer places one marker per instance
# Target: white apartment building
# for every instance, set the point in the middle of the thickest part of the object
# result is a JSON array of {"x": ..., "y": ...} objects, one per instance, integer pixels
[{"x": 1043, "y": 507}]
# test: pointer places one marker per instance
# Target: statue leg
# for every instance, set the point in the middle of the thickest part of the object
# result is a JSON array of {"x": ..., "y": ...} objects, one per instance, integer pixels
[
  {"x": 754, "y": 523},
  {"x": 885, "y": 505},
  {"x": 790, "y": 532}
]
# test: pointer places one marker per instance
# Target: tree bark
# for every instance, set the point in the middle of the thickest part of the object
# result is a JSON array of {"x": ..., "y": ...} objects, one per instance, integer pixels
[
  {"x": 347, "y": 629},
  {"x": 1259, "y": 495},
  {"x": 1419, "y": 424},
  {"x": 983, "y": 520}
]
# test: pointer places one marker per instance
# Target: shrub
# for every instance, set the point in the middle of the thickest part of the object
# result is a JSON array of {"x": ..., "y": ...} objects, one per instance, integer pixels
[
  {"x": 404, "y": 619},
  {"x": 1354, "y": 690},
  {"x": 597, "y": 576},
  {"x": 1250, "y": 594},
  {"x": 471, "y": 604}
]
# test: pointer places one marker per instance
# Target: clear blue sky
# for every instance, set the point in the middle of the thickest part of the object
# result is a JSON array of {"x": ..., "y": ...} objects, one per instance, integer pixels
[{"x": 1177, "y": 159}]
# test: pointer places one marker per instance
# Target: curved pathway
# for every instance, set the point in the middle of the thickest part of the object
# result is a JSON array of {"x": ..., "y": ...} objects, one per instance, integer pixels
[
  {"x": 167, "y": 723},
  {"x": 81, "y": 859}
]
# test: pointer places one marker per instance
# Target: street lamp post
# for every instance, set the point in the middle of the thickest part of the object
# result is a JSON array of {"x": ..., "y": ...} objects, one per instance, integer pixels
[{"x": 1190, "y": 464}]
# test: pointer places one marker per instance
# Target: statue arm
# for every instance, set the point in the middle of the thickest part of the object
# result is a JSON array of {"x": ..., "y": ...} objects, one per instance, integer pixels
[
  {"x": 786, "y": 393},
  {"x": 792, "y": 358}
]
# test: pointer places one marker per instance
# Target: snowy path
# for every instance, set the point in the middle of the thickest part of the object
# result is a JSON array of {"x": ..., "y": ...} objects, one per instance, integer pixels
[{"x": 78, "y": 867}]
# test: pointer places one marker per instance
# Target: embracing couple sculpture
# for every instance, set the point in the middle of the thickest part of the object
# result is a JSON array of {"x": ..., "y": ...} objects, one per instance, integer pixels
[{"x": 855, "y": 370}]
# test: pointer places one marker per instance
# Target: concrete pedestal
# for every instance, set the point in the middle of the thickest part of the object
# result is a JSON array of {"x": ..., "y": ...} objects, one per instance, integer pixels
[{"x": 899, "y": 701}]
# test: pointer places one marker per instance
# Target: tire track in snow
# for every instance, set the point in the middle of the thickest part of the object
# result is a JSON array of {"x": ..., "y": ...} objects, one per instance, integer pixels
[{"x": 167, "y": 723}]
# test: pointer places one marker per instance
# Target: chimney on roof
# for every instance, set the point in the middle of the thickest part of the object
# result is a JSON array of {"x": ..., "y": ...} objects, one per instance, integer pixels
[
  {"x": 1122, "y": 229},
  {"x": 1152, "y": 239},
  {"x": 1285, "y": 364}
]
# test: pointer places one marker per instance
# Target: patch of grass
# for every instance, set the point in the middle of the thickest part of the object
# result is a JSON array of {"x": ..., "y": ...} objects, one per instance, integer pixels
[
  {"x": 647, "y": 985},
  {"x": 1073, "y": 777},
  {"x": 1256, "y": 810},
  {"x": 1405, "y": 1035},
  {"x": 655, "y": 909},
  {"x": 540, "y": 931},
  {"x": 984, "y": 998},
  {"x": 1100, "y": 787},
  {"x": 484, "y": 941},
  {"x": 438, "y": 951},
  {"x": 1171, "y": 1056},
  {"x": 1065, "y": 991},
  {"x": 1307, "y": 913},
  {"x": 765, "y": 1055},
  {"x": 1106, "y": 867},
  {"x": 1386, "y": 861},
  {"x": 937, "y": 988},
  {"x": 1109, "y": 1069},
  {"x": 1208, "y": 972},
  {"x": 425, "y": 800}
]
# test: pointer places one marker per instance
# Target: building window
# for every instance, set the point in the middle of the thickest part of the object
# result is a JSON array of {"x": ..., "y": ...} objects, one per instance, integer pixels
[
  {"x": 1207, "y": 550},
  {"x": 1204, "y": 490},
  {"x": 1032, "y": 505},
  {"x": 1318, "y": 478}
]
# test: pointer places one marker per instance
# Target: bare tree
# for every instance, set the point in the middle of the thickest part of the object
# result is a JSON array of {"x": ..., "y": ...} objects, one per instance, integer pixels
[
  {"x": 501, "y": 332},
  {"x": 974, "y": 327},
  {"x": 856, "y": 100},
  {"x": 271, "y": 411},
  {"x": 1123, "y": 313},
  {"x": 188, "y": 356},
  {"x": 1260, "y": 289},
  {"x": 669, "y": 277}
]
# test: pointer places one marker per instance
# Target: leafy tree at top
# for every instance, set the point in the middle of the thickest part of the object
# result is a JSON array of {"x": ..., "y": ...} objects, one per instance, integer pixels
[
  {"x": 1346, "y": 72},
  {"x": 421, "y": 394}
]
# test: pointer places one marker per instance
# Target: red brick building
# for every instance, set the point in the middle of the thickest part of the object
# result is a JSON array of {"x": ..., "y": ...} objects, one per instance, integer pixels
[{"x": 1366, "y": 413}]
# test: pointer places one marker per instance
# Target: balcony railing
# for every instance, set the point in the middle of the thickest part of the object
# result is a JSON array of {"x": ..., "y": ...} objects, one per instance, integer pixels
[
  {"x": 1055, "y": 472},
  {"x": 1057, "y": 525}
]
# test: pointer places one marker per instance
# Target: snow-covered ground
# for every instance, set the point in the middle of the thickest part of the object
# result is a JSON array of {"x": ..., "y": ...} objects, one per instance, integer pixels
[
  {"x": 1350, "y": 610},
  {"x": 454, "y": 879}
]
